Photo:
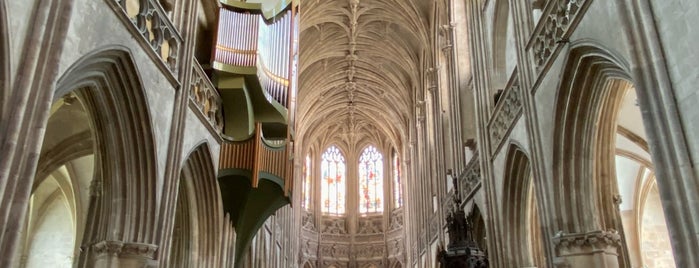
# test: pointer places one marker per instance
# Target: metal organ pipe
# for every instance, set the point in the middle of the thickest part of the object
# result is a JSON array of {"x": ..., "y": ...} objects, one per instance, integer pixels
[
  {"x": 238, "y": 35},
  {"x": 251, "y": 39},
  {"x": 246, "y": 39},
  {"x": 275, "y": 59},
  {"x": 232, "y": 34},
  {"x": 285, "y": 55}
]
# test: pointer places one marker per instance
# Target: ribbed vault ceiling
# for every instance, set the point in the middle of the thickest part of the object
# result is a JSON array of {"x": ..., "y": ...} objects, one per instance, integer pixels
[{"x": 360, "y": 63}]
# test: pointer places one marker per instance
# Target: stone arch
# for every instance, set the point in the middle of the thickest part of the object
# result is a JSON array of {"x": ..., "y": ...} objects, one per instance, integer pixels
[
  {"x": 121, "y": 212},
  {"x": 199, "y": 213},
  {"x": 586, "y": 94},
  {"x": 518, "y": 211},
  {"x": 592, "y": 89},
  {"x": 64, "y": 171},
  {"x": 475, "y": 218}
]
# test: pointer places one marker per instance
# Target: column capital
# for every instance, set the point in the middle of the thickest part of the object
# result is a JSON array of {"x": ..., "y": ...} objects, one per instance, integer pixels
[{"x": 593, "y": 239}]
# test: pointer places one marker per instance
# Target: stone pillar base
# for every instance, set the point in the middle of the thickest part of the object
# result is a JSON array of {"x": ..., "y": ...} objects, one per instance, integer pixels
[
  {"x": 116, "y": 254},
  {"x": 583, "y": 250}
]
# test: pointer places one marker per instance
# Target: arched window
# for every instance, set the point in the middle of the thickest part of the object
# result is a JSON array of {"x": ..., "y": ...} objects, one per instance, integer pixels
[
  {"x": 397, "y": 190},
  {"x": 370, "y": 181},
  {"x": 307, "y": 183},
  {"x": 333, "y": 173}
]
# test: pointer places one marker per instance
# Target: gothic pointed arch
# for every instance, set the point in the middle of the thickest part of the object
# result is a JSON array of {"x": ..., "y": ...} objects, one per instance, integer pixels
[
  {"x": 582, "y": 160},
  {"x": 60, "y": 193},
  {"x": 518, "y": 211},
  {"x": 475, "y": 218},
  {"x": 108, "y": 82},
  {"x": 199, "y": 213},
  {"x": 592, "y": 89}
]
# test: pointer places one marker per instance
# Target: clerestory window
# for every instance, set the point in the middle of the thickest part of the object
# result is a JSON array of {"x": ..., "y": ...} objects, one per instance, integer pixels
[
  {"x": 370, "y": 181},
  {"x": 333, "y": 172},
  {"x": 397, "y": 190}
]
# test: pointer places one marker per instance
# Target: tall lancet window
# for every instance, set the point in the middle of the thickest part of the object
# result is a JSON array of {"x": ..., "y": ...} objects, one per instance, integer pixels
[
  {"x": 397, "y": 190},
  {"x": 370, "y": 181},
  {"x": 332, "y": 170},
  {"x": 307, "y": 183}
]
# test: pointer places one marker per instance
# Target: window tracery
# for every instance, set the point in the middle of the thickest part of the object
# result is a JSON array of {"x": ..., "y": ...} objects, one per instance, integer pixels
[
  {"x": 307, "y": 183},
  {"x": 397, "y": 190},
  {"x": 333, "y": 185},
  {"x": 370, "y": 181}
]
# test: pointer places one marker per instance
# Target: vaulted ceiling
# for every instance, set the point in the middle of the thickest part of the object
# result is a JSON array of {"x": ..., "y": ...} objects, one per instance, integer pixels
[{"x": 360, "y": 66}]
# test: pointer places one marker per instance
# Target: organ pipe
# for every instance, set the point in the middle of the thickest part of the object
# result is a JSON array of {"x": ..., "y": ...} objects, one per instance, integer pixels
[{"x": 247, "y": 39}]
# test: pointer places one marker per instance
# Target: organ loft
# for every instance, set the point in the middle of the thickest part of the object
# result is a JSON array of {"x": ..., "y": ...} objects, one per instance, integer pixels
[{"x": 349, "y": 133}]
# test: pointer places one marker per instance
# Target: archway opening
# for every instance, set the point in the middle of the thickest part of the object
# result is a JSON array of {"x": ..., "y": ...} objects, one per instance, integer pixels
[
  {"x": 523, "y": 231},
  {"x": 600, "y": 151},
  {"x": 199, "y": 229},
  {"x": 655, "y": 239},
  {"x": 182, "y": 239},
  {"x": 61, "y": 192},
  {"x": 640, "y": 211}
]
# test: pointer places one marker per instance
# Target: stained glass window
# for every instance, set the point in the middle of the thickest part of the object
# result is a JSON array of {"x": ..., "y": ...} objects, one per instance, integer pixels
[
  {"x": 332, "y": 170},
  {"x": 370, "y": 181},
  {"x": 397, "y": 190},
  {"x": 307, "y": 183}
]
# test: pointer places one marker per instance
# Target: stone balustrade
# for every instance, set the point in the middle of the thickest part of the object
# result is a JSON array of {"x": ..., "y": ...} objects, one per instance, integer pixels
[
  {"x": 154, "y": 29},
  {"x": 206, "y": 99},
  {"x": 507, "y": 111},
  {"x": 559, "y": 19}
]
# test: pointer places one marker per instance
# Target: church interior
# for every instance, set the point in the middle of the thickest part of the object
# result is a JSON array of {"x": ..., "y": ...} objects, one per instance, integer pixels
[{"x": 349, "y": 133}]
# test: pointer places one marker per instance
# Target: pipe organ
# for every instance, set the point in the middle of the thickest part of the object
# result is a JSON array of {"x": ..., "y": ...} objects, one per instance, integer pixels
[
  {"x": 247, "y": 39},
  {"x": 254, "y": 60}
]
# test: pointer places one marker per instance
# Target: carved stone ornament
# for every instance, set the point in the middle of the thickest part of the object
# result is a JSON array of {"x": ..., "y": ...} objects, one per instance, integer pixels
[
  {"x": 555, "y": 27},
  {"x": 334, "y": 251},
  {"x": 369, "y": 251},
  {"x": 334, "y": 226},
  {"x": 506, "y": 111},
  {"x": 146, "y": 251},
  {"x": 470, "y": 179},
  {"x": 108, "y": 247},
  {"x": 594, "y": 240},
  {"x": 335, "y": 264},
  {"x": 370, "y": 225},
  {"x": 395, "y": 247},
  {"x": 307, "y": 222},
  {"x": 396, "y": 220}
]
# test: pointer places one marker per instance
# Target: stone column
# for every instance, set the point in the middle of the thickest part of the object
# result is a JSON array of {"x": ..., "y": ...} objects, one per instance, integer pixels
[{"x": 592, "y": 249}]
